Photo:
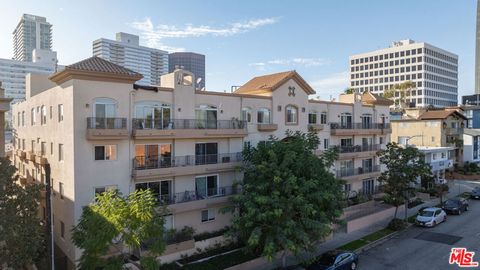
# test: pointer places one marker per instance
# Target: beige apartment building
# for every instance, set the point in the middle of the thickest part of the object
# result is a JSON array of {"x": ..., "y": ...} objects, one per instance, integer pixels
[
  {"x": 432, "y": 128},
  {"x": 4, "y": 107},
  {"x": 99, "y": 130}
]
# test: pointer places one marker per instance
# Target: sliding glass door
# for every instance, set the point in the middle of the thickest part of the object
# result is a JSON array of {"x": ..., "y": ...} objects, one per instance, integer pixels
[
  {"x": 153, "y": 116},
  {"x": 206, "y": 186},
  {"x": 206, "y": 153},
  {"x": 151, "y": 156},
  {"x": 206, "y": 117}
]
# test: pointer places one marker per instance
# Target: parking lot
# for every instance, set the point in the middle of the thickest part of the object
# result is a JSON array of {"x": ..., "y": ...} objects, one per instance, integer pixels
[{"x": 428, "y": 248}]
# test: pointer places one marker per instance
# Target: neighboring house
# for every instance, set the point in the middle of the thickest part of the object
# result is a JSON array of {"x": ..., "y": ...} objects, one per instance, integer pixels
[
  {"x": 439, "y": 160},
  {"x": 99, "y": 130},
  {"x": 431, "y": 128},
  {"x": 471, "y": 135}
]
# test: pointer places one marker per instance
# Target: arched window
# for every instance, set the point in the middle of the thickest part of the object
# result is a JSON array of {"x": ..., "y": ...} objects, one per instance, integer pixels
[
  {"x": 247, "y": 114},
  {"x": 206, "y": 116},
  {"x": 312, "y": 117},
  {"x": 263, "y": 116},
  {"x": 152, "y": 114},
  {"x": 291, "y": 114}
]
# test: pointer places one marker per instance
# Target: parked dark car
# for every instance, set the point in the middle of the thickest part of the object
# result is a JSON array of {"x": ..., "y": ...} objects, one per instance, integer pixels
[
  {"x": 455, "y": 206},
  {"x": 336, "y": 260},
  {"x": 475, "y": 194}
]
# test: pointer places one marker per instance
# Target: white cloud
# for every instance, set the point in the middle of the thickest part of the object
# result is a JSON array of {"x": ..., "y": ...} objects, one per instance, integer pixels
[
  {"x": 335, "y": 83},
  {"x": 297, "y": 61},
  {"x": 154, "y": 34}
]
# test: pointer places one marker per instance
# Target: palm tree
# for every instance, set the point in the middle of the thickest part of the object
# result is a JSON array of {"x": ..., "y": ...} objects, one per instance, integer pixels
[{"x": 404, "y": 89}]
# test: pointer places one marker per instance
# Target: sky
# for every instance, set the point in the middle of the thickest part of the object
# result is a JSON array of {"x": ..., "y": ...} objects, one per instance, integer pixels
[{"x": 247, "y": 38}]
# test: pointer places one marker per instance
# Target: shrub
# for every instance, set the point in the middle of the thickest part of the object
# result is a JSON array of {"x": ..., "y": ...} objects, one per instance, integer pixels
[
  {"x": 397, "y": 224},
  {"x": 185, "y": 234},
  {"x": 208, "y": 235}
]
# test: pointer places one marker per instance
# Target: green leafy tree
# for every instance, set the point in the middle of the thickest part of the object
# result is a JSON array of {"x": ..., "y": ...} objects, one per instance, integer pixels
[
  {"x": 404, "y": 166},
  {"x": 133, "y": 220},
  {"x": 21, "y": 234},
  {"x": 348, "y": 90},
  {"x": 289, "y": 198},
  {"x": 404, "y": 91}
]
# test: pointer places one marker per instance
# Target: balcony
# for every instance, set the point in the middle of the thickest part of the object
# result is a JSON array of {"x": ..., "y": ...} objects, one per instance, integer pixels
[
  {"x": 99, "y": 128},
  {"x": 156, "y": 166},
  {"x": 188, "y": 128},
  {"x": 267, "y": 127},
  {"x": 453, "y": 131},
  {"x": 349, "y": 129},
  {"x": 21, "y": 154},
  {"x": 357, "y": 151},
  {"x": 30, "y": 155},
  {"x": 315, "y": 127},
  {"x": 40, "y": 158},
  {"x": 358, "y": 173},
  {"x": 190, "y": 200}
]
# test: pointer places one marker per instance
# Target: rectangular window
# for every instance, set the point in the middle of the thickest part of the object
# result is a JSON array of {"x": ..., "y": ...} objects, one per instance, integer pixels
[
  {"x": 325, "y": 143},
  {"x": 43, "y": 115},
  {"x": 100, "y": 190},
  {"x": 323, "y": 118},
  {"x": 60, "y": 112},
  {"x": 208, "y": 215},
  {"x": 162, "y": 190},
  {"x": 106, "y": 152},
  {"x": 43, "y": 148},
  {"x": 60, "y": 189},
  {"x": 60, "y": 152},
  {"x": 62, "y": 229},
  {"x": 312, "y": 118},
  {"x": 33, "y": 117},
  {"x": 51, "y": 148},
  {"x": 51, "y": 112}
]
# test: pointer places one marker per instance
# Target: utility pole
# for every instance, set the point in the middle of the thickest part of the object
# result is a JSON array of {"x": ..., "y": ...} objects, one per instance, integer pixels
[{"x": 48, "y": 203}]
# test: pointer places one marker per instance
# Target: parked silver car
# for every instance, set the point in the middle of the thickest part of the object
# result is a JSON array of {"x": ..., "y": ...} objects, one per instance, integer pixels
[{"x": 430, "y": 217}]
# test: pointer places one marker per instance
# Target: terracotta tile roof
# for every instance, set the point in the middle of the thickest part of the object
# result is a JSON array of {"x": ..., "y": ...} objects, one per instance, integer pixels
[
  {"x": 96, "y": 68},
  {"x": 269, "y": 83},
  {"x": 97, "y": 64},
  {"x": 439, "y": 114},
  {"x": 371, "y": 98}
]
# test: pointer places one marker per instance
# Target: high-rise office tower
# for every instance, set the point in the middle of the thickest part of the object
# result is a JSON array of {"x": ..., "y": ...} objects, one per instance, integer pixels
[
  {"x": 433, "y": 70},
  {"x": 190, "y": 61},
  {"x": 127, "y": 52},
  {"x": 477, "y": 52},
  {"x": 32, "y": 32}
]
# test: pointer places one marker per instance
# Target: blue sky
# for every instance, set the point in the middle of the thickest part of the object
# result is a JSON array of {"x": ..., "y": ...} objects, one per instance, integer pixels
[{"x": 246, "y": 38}]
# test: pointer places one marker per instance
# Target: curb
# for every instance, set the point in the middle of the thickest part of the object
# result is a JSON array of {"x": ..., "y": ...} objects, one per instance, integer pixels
[{"x": 376, "y": 242}]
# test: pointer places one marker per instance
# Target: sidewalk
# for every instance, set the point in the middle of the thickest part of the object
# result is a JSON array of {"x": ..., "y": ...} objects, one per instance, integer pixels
[{"x": 341, "y": 238}]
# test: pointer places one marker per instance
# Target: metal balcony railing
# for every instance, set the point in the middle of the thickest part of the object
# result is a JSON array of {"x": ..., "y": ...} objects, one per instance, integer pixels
[
  {"x": 158, "y": 162},
  {"x": 188, "y": 124},
  {"x": 189, "y": 196},
  {"x": 106, "y": 123},
  {"x": 357, "y": 171},
  {"x": 359, "y": 125},
  {"x": 358, "y": 148}
]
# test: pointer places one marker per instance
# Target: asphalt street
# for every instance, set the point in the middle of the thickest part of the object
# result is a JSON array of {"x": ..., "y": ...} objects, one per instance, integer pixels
[{"x": 416, "y": 248}]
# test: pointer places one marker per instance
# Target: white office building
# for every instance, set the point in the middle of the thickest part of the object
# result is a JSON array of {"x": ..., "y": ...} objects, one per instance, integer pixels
[
  {"x": 13, "y": 73},
  {"x": 433, "y": 70},
  {"x": 32, "y": 32},
  {"x": 127, "y": 52}
]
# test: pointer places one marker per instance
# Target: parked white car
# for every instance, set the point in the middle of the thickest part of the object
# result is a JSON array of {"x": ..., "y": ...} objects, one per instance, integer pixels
[{"x": 430, "y": 217}]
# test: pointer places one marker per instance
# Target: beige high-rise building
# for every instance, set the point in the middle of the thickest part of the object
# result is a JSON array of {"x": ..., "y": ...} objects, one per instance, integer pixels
[
  {"x": 99, "y": 130},
  {"x": 433, "y": 70}
]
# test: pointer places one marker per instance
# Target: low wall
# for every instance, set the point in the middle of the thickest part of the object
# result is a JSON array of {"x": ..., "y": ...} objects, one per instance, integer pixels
[
  {"x": 423, "y": 196},
  {"x": 188, "y": 248},
  {"x": 368, "y": 220}
]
